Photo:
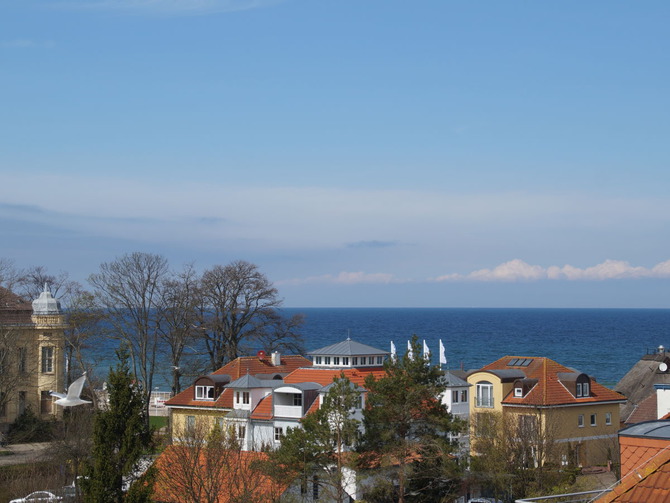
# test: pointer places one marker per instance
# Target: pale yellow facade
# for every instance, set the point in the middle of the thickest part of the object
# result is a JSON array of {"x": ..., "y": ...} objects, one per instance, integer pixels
[
  {"x": 32, "y": 366},
  {"x": 585, "y": 434},
  {"x": 184, "y": 421}
]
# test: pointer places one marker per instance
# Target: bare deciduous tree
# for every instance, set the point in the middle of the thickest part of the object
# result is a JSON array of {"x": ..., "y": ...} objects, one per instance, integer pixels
[
  {"x": 207, "y": 466},
  {"x": 181, "y": 296},
  {"x": 129, "y": 290},
  {"x": 239, "y": 312}
]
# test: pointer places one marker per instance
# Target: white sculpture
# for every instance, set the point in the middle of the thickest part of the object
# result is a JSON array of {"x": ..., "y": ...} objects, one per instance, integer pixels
[{"x": 73, "y": 394}]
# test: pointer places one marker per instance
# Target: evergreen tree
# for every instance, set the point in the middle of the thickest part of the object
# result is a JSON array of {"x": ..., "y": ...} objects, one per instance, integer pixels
[
  {"x": 321, "y": 451},
  {"x": 407, "y": 427},
  {"x": 120, "y": 437}
]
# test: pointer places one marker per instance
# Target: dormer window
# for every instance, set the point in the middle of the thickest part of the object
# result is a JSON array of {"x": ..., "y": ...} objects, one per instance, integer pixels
[
  {"x": 518, "y": 392},
  {"x": 336, "y": 360},
  {"x": 345, "y": 361},
  {"x": 204, "y": 392},
  {"x": 582, "y": 389},
  {"x": 327, "y": 360}
]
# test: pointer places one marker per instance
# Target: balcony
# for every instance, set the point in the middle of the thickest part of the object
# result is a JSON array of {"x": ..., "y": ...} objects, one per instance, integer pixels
[{"x": 292, "y": 411}]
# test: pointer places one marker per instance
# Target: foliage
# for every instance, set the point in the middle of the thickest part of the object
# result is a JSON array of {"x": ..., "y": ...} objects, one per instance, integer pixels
[
  {"x": 28, "y": 427},
  {"x": 323, "y": 446},
  {"x": 120, "y": 436},
  {"x": 407, "y": 427}
]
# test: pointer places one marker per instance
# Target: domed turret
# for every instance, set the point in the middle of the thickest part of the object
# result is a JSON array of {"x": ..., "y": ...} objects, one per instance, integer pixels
[{"x": 46, "y": 304}]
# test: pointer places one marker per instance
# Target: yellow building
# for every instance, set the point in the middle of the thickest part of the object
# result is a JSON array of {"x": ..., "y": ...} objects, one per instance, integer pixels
[
  {"x": 32, "y": 342},
  {"x": 552, "y": 408}
]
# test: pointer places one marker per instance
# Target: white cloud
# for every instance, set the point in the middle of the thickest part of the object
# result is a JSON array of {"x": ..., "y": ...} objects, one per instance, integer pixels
[
  {"x": 518, "y": 270},
  {"x": 343, "y": 278}
]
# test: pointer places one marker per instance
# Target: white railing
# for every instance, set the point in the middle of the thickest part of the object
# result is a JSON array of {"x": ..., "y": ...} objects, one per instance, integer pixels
[{"x": 288, "y": 411}]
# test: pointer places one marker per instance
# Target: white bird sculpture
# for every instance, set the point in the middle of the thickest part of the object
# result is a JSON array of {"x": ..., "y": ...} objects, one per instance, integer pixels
[{"x": 72, "y": 398}]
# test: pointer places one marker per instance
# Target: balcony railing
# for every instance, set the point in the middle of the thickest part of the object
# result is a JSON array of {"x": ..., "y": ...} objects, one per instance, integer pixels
[
  {"x": 288, "y": 411},
  {"x": 484, "y": 401},
  {"x": 582, "y": 497}
]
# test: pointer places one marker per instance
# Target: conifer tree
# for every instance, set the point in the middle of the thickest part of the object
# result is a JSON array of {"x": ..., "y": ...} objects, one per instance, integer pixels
[
  {"x": 407, "y": 428},
  {"x": 120, "y": 436}
]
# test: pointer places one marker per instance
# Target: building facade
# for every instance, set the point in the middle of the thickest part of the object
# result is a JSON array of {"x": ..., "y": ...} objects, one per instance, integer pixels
[
  {"x": 32, "y": 343},
  {"x": 547, "y": 401}
]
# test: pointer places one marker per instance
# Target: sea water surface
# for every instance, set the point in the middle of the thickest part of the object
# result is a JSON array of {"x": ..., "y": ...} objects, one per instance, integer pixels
[{"x": 604, "y": 343}]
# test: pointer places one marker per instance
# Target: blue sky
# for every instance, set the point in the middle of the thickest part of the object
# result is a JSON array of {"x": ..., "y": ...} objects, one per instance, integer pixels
[{"x": 362, "y": 153}]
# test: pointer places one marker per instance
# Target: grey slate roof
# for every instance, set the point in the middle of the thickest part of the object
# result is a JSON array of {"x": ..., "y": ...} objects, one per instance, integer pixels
[
  {"x": 654, "y": 429},
  {"x": 249, "y": 381},
  {"x": 450, "y": 380},
  {"x": 348, "y": 348},
  {"x": 352, "y": 385}
]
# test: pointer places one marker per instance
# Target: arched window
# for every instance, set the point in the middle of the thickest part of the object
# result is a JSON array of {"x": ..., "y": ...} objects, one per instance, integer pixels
[{"x": 484, "y": 394}]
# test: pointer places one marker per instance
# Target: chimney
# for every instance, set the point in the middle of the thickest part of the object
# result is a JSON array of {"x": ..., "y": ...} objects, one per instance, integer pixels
[{"x": 276, "y": 358}]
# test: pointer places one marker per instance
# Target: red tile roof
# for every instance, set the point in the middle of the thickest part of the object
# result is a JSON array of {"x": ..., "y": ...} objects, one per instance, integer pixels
[
  {"x": 549, "y": 390},
  {"x": 185, "y": 473},
  {"x": 185, "y": 399},
  {"x": 240, "y": 367},
  {"x": 264, "y": 409},
  {"x": 254, "y": 365},
  {"x": 650, "y": 483},
  {"x": 325, "y": 376}
]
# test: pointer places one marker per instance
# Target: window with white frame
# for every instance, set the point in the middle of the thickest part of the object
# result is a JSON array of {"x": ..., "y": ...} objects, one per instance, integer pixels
[
  {"x": 297, "y": 399},
  {"x": 204, "y": 392},
  {"x": 580, "y": 420},
  {"x": 484, "y": 394},
  {"x": 608, "y": 418},
  {"x": 345, "y": 361},
  {"x": 354, "y": 360},
  {"x": 518, "y": 392},
  {"x": 241, "y": 431},
  {"x": 593, "y": 420},
  {"x": 317, "y": 360},
  {"x": 47, "y": 359},
  {"x": 190, "y": 424},
  {"x": 279, "y": 432},
  {"x": 245, "y": 397},
  {"x": 579, "y": 390},
  {"x": 454, "y": 396},
  {"x": 336, "y": 360},
  {"x": 327, "y": 360},
  {"x": 464, "y": 395},
  {"x": 585, "y": 389},
  {"x": 380, "y": 360}
]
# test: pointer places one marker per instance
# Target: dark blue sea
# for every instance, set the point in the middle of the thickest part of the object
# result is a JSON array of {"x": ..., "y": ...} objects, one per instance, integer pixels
[{"x": 604, "y": 343}]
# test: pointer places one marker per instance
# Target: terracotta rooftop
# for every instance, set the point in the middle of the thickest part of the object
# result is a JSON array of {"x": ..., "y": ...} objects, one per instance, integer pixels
[
  {"x": 549, "y": 390},
  {"x": 235, "y": 477},
  {"x": 238, "y": 368},
  {"x": 325, "y": 376},
  {"x": 650, "y": 483},
  {"x": 186, "y": 399},
  {"x": 264, "y": 409},
  {"x": 254, "y": 365}
]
